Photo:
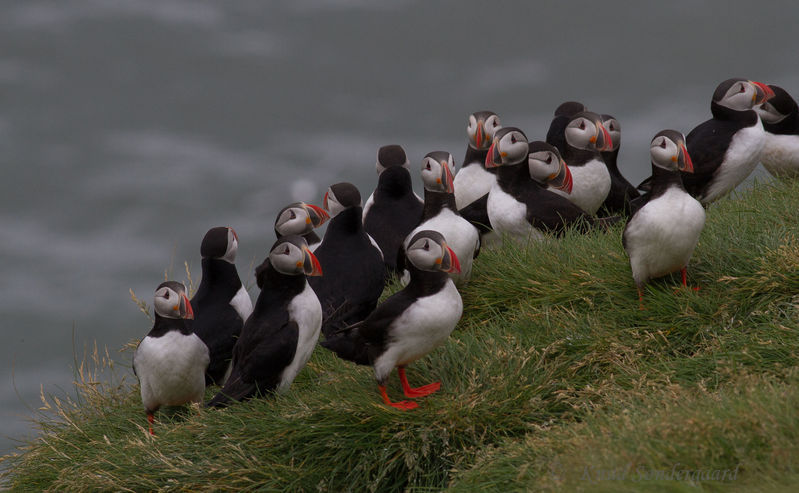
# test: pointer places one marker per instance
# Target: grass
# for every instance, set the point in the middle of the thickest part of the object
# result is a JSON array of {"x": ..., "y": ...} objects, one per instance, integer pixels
[{"x": 554, "y": 380}]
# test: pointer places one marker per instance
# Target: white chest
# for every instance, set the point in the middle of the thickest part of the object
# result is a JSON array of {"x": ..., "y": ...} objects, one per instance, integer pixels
[
  {"x": 242, "y": 303},
  {"x": 424, "y": 326},
  {"x": 171, "y": 369},
  {"x": 472, "y": 182},
  {"x": 662, "y": 235},
  {"x": 306, "y": 310},
  {"x": 739, "y": 162},
  {"x": 590, "y": 187},
  {"x": 780, "y": 155},
  {"x": 508, "y": 216}
]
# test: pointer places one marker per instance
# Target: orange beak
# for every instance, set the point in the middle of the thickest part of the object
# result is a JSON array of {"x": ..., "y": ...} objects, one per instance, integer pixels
[
  {"x": 189, "y": 312},
  {"x": 311, "y": 265}
]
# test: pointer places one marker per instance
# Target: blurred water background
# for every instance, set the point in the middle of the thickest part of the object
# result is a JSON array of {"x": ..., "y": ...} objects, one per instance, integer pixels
[{"x": 129, "y": 128}]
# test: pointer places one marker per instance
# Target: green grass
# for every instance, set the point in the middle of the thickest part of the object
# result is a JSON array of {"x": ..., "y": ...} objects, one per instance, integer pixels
[{"x": 554, "y": 380}]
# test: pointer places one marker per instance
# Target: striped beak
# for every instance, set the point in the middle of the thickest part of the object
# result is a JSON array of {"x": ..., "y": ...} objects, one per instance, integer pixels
[
  {"x": 449, "y": 261},
  {"x": 185, "y": 309},
  {"x": 316, "y": 215},
  {"x": 684, "y": 162},
  {"x": 563, "y": 180},
  {"x": 311, "y": 264},
  {"x": 762, "y": 93}
]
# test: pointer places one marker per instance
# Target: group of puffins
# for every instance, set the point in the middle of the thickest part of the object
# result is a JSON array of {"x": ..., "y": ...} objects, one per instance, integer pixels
[{"x": 507, "y": 189}]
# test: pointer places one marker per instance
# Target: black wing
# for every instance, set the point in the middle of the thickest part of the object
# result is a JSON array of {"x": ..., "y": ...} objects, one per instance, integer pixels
[
  {"x": 550, "y": 212},
  {"x": 477, "y": 214},
  {"x": 707, "y": 145},
  {"x": 219, "y": 328}
]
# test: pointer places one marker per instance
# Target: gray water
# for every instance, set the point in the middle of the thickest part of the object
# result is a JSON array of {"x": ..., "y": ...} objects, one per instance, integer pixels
[{"x": 129, "y": 128}]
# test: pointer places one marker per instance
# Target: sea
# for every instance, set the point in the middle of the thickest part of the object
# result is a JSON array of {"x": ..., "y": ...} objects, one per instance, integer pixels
[{"x": 128, "y": 128}]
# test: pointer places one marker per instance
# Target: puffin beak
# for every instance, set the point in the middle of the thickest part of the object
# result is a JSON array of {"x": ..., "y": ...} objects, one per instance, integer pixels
[
  {"x": 449, "y": 262},
  {"x": 235, "y": 236},
  {"x": 684, "y": 162},
  {"x": 446, "y": 178},
  {"x": 479, "y": 135},
  {"x": 324, "y": 202},
  {"x": 563, "y": 181},
  {"x": 602, "y": 140},
  {"x": 493, "y": 159},
  {"x": 762, "y": 93},
  {"x": 189, "y": 313},
  {"x": 316, "y": 215},
  {"x": 311, "y": 264}
]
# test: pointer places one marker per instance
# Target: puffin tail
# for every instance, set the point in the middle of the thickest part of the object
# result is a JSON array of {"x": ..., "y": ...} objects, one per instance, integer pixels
[
  {"x": 235, "y": 390},
  {"x": 348, "y": 344}
]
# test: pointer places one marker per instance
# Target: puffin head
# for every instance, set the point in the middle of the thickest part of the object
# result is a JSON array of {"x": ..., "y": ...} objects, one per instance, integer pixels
[
  {"x": 290, "y": 255},
  {"x": 171, "y": 301},
  {"x": 299, "y": 218},
  {"x": 437, "y": 172},
  {"x": 340, "y": 196},
  {"x": 481, "y": 129},
  {"x": 585, "y": 131},
  {"x": 508, "y": 148},
  {"x": 548, "y": 167},
  {"x": 428, "y": 251},
  {"x": 221, "y": 242},
  {"x": 668, "y": 151}
]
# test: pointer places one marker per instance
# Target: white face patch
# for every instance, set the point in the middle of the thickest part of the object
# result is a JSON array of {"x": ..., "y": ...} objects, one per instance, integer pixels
[
  {"x": 287, "y": 258},
  {"x": 544, "y": 165},
  {"x": 167, "y": 303},
  {"x": 293, "y": 221},
  {"x": 614, "y": 129},
  {"x": 232, "y": 246},
  {"x": 425, "y": 254},
  {"x": 664, "y": 152},
  {"x": 581, "y": 133},
  {"x": 332, "y": 204},
  {"x": 740, "y": 97},
  {"x": 769, "y": 114},
  {"x": 512, "y": 148}
]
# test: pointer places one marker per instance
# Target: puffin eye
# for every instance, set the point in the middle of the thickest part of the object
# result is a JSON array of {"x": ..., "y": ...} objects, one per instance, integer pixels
[
  {"x": 549, "y": 158},
  {"x": 166, "y": 295},
  {"x": 582, "y": 125},
  {"x": 663, "y": 144},
  {"x": 292, "y": 215},
  {"x": 743, "y": 89},
  {"x": 427, "y": 167},
  {"x": 286, "y": 250},
  {"x": 512, "y": 139},
  {"x": 495, "y": 123},
  {"x": 426, "y": 245}
]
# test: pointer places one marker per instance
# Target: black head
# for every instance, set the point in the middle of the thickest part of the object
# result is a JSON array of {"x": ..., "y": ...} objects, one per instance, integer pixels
[
  {"x": 547, "y": 167},
  {"x": 290, "y": 255},
  {"x": 391, "y": 155},
  {"x": 299, "y": 218},
  {"x": 777, "y": 109},
  {"x": 570, "y": 108},
  {"x": 428, "y": 251},
  {"x": 508, "y": 148},
  {"x": 739, "y": 94},
  {"x": 341, "y": 196},
  {"x": 438, "y": 168},
  {"x": 668, "y": 151},
  {"x": 481, "y": 129},
  {"x": 585, "y": 131},
  {"x": 221, "y": 242},
  {"x": 171, "y": 301}
]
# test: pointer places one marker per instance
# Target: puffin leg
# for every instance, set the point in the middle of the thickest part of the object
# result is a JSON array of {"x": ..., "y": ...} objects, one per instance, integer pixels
[
  {"x": 151, "y": 420},
  {"x": 403, "y": 405},
  {"x": 418, "y": 391},
  {"x": 640, "y": 296},
  {"x": 684, "y": 274}
]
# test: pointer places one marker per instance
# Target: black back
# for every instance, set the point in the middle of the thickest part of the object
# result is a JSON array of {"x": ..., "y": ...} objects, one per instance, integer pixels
[
  {"x": 546, "y": 211},
  {"x": 707, "y": 144},
  {"x": 354, "y": 273},
  {"x": 216, "y": 322},
  {"x": 268, "y": 340},
  {"x": 394, "y": 213},
  {"x": 477, "y": 214}
]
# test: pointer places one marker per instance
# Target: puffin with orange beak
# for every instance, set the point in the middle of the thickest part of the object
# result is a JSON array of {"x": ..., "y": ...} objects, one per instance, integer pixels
[
  {"x": 473, "y": 180},
  {"x": 440, "y": 213},
  {"x": 521, "y": 203},
  {"x": 170, "y": 361},
  {"x": 301, "y": 219},
  {"x": 354, "y": 269},
  {"x": 665, "y": 224},
  {"x": 222, "y": 303},
  {"x": 726, "y": 148},
  {"x": 278, "y": 338},
  {"x": 410, "y": 323},
  {"x": 580, "y": 138},
  {"x": 780, "y": 117}
]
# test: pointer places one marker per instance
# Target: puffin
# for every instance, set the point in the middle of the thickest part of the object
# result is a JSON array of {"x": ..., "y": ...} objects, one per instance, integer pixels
[
  {"x": 410, "y": 323},
  {"x": 580, "y": 138},
  {"x": 171, "y": 360},
  {"x": 726, "y": 148},
  {"x": 780, "y": 117},
  {"x": 621, "y": 190},
  {"x": 665, "y": 224},
  {"x": 221, "y": 304},
  {"x": 441, "y": 214},
  {"x": 354, "y": 269},
  {"x": 299, "y": 218},
  {"x": 473, "y": 180},
  {"x": 520, "y": 203},
  {"x": 278, "y": 338},
  {"x": 393, "y": 209}
]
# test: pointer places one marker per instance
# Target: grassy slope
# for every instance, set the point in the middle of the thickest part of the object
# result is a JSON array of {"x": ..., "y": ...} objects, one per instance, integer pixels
[{"x": 553, "y": 371}]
